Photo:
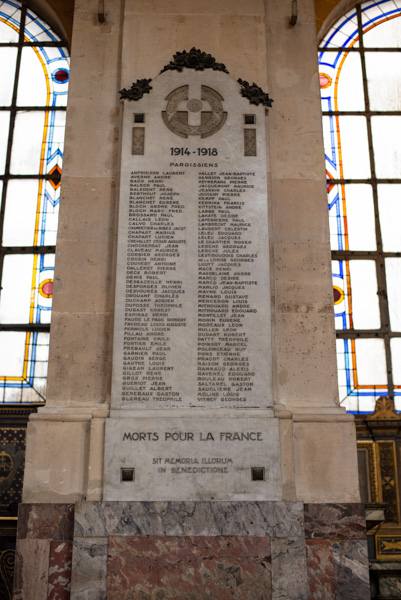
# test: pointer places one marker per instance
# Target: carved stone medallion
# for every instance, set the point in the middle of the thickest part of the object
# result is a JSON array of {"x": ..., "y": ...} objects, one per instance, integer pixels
[{"x": 212, "y": 115}]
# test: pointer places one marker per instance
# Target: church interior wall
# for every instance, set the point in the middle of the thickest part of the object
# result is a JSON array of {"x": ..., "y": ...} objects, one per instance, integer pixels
[{"x": 65, "y": 442}]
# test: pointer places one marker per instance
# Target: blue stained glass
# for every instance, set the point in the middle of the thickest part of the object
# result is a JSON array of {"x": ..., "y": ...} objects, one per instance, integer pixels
[
  {"x": 10, "y": 17},
  {"x": 37, "y": 30}
]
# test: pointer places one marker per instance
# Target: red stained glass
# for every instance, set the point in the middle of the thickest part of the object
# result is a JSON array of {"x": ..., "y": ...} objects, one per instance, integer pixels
[
  {"x": 61, "y": 75},
  {"x": 48, "y": 288}
]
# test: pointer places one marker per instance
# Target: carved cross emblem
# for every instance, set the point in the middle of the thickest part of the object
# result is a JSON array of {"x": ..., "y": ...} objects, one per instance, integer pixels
[{"x": 186, "y": 116}]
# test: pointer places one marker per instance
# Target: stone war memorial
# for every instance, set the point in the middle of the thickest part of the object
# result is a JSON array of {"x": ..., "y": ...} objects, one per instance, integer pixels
[{"x": 192, "y": 445}]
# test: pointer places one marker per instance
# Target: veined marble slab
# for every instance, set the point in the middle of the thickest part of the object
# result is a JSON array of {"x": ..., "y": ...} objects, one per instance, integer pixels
[{"x": 270, "y": 519}]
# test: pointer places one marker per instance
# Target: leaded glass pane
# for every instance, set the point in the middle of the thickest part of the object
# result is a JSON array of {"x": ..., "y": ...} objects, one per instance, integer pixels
[
  {"x": 30, "y": 197},
  {"x": 20, "y": 208},
  {"x": 28, "y": 297},
  {"x": 54, "y": 143},
  {"x": 10, "y": 19},
  {"x": 32, "y": 86},
  {"x": 386, "y": 133},
  {"x": 360, "y": 217},
  {"x": 4, "y": 128},
  {"x": 371, "y": 362},
  {"x": 344, "y": 33},
  {"x": 342, "y": 306},
  {"x": 350, "y": 85},
  {"x": 25, "y": 362},
  {"x": 15, "y": 301},
  {"x": 7, "y": 34},
  {"x": 393, "y": 277},
  {"x": 390, "y": 216},
  {"x": 384, "y": 80},
  {"x": 396, "y": 360},
  {"x": 27, "y": 150},
  {"x": 12, "y": 349},
  {"x": 337, "y": 235},
  {"x": 344, "y": 360},
  {"x": 35, "y": 204},
  {"x": 8, "y": 57},
  {"x": 351, "y": 216},
  {"x": 38, "y": 30},
  {"x": 354, "y": 394},
  {"x": 365, "y": 301},
  {"x": 44, "y": 77},
  {"x": 363, "y": 184},
  {"x": 329, "y": 133},
  {"x": 49, "y": 203},
  {"x": 388, "y": 35},
  {"x": 352, "y": 134}
]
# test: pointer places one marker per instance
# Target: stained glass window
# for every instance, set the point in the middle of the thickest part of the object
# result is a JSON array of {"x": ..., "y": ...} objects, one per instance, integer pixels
[
  {"x": 360, "y": 80},
  {"x": 34, "y": 72}
]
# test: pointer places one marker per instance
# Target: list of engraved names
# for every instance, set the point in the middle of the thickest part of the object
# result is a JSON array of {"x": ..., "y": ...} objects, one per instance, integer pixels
[{"x": 192, "y": 265}]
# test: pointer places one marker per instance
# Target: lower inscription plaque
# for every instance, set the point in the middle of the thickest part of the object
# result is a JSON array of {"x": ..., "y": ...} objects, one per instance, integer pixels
[{"x": 192, "y": 459}]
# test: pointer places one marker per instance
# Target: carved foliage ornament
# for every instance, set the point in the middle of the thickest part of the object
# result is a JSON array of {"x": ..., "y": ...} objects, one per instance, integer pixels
[
  {"x": 137, "y": 90},
  {"x": 254, "y": 93},
  {"x": 384, "y": 409},
  {"x": 194, "y": 59}
]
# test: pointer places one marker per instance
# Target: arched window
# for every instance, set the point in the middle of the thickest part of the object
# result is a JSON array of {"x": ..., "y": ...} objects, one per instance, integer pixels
[
  {"x": 34, "y": 72},
  {"x": 360, "y": 79}
]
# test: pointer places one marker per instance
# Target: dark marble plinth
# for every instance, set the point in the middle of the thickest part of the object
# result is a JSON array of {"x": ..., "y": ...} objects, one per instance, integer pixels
[{"x": 192, "y": 550}]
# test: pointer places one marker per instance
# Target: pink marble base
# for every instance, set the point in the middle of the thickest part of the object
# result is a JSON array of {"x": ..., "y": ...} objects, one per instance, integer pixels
[
  {"x": 58, "y": 587},
  {"x": 44, "y": 552},
  {"x": 320, "y": 570},
  {"x": 162, "y": 568}
]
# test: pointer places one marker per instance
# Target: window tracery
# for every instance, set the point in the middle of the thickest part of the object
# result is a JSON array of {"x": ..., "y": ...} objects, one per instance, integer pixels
[
  {"x": 34, "y": 73},
  {"x": 360, "y": 79}
]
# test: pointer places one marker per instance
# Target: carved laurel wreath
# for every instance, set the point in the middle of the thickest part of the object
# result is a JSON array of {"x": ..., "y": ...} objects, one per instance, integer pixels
[
  {"x": 195, "y": 59},
  {"x": 254, "y": 93},
  {"x": 137, "y": 90}
]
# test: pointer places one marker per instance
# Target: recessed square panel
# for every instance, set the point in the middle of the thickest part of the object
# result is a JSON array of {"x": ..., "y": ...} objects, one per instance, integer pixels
[
  {"x": 257, "y": 473},
  {"x": 127, "y": 474}
]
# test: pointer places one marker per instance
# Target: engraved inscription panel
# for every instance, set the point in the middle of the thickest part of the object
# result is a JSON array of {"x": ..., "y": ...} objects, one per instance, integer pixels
[
  {"x": 192, "y": 325},
  {"x": 186, "y": 458},
  {"x": 250, "y": 142},
  {"x": 138, "y": 140}
]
